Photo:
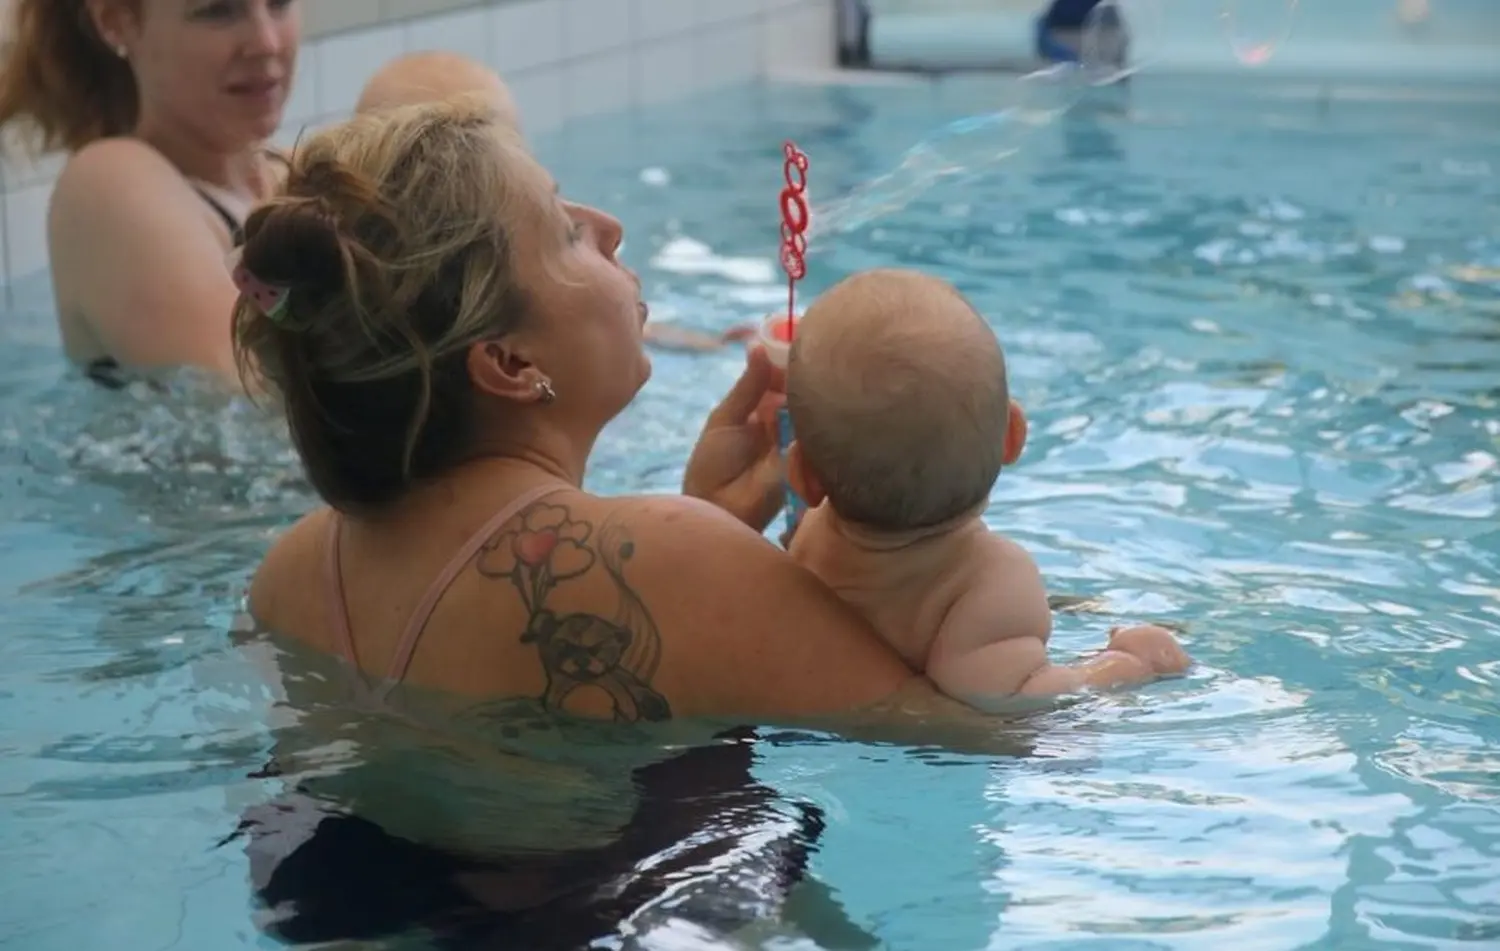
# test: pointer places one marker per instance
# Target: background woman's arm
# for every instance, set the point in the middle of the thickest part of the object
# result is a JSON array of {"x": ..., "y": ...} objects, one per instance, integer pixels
[{"x": 135, "y": 253}]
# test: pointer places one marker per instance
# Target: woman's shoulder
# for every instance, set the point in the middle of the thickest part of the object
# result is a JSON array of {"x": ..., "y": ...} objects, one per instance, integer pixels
[
  {"x": 648, "y": 546},
  {"x": 119, "y": 183},
  {"x": 723, "y": 619},
  {"x": 108, "y": 166},
  {"x": 657, "y": 511},
  {"x": 676, "y": 534},
  {"x": 279, "y": 590}
]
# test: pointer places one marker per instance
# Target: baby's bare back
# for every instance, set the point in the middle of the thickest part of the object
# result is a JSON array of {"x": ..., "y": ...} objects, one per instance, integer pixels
[{"x": 907, "y": 591}]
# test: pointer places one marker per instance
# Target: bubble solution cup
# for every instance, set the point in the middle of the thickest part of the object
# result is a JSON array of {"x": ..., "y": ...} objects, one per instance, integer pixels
[{"x": 775, "y": 337}]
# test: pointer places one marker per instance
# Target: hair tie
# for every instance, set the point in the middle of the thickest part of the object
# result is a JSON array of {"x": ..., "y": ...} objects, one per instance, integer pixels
[{"x": 270, "y": 299}]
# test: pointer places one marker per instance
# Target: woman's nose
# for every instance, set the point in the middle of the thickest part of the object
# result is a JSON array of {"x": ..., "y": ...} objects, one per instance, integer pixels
[
  {"x": 265, "y": 30},
  {"x": 611, "y": 232}
]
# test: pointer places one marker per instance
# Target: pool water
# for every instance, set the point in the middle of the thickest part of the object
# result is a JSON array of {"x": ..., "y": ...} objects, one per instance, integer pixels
[{"x": 1256, "y": 326}]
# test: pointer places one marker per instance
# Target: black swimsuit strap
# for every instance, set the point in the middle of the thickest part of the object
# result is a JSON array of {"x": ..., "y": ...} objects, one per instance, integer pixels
[
  {"x": 236, "y": 232},
  {"x": 236, "y": 229}
]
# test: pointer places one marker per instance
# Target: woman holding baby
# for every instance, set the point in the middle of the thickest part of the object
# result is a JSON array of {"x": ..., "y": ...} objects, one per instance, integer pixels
[{"x": 447, "y": 337}]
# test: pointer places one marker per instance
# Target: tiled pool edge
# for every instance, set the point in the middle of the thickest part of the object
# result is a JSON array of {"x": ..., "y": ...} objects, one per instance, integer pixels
[{"x": 564, "y": 59}]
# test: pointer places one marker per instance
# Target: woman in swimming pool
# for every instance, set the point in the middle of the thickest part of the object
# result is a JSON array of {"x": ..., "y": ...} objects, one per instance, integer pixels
[
  {"x": 447, "y": 337},
  {"x": 164, "y": 107}
]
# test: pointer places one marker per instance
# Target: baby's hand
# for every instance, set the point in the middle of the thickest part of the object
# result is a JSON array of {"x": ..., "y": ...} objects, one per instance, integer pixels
[
  {"x": 1151, "y": 645},
  {"x": 740, "y": 332}
]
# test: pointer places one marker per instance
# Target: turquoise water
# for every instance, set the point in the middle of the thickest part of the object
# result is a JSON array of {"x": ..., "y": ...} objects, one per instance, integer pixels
[{"x": 1257, "y": 329}]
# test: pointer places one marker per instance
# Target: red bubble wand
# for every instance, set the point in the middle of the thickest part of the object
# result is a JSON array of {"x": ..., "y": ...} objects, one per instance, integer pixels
[
  {"x": 794, "y": 221},
  {"x": 778, "y": 334}
]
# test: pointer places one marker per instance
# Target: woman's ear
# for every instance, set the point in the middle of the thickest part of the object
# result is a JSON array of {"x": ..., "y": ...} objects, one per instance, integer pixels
[
  {"x": 802, "y": 480},
  {"x": 114, "y": 23},
  {"x": 1016, "y": 429},
  {"x": 498, "y": 368}
]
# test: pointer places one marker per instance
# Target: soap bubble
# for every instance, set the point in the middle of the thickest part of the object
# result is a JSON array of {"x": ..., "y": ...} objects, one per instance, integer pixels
[
  {"x": 1116, "y": 40},
  {"x": 964, "y": 149},
  {"x": 959, "y": 151},
  {"x": 967, "y": 148},
  {"x": 1257, "y": 28},
  {"x": 1413, "y": 12}
]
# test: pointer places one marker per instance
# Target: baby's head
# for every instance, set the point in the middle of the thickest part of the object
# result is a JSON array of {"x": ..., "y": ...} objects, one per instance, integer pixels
[
  {"x": 436, "y": 75},
  {"x": 897, "y": 392}
]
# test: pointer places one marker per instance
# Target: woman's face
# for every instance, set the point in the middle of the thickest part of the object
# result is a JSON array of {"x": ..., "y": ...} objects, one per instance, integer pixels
[
  {"x": 590, "y": 319},
  {"x": 220, "y": 70}
]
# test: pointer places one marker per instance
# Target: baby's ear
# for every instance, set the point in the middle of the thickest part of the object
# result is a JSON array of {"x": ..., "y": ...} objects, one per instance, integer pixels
[
  {"x": 801, "y": 479},
  {"x": 1016, "y": 429}
]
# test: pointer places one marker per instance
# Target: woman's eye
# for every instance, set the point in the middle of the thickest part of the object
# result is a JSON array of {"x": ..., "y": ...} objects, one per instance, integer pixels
[
  {"x": 221, "y": 11},
  {"x": 225, "y": 11}
]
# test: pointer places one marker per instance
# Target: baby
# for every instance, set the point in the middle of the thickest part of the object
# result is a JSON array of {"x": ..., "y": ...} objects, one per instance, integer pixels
[
  {"x": 433, "y": 75},
  {"x": 897, "y": 393}
]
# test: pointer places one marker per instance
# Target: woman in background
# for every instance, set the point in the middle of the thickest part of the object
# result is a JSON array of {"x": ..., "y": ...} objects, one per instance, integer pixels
[{"x": 164, "y": 107}]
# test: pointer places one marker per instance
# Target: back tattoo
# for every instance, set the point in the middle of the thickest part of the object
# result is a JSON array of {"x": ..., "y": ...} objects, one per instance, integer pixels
[{"x": 543, "y": 546}]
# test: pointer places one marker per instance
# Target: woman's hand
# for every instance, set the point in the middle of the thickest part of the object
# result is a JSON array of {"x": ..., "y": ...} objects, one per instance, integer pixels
[{"x": 737, "y": 463}]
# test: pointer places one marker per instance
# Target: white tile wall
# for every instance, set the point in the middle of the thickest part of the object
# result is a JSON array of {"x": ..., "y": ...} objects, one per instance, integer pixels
[
  {"x": 466, "y": 32},
  {"x": 562, "y": 58},
  {"x": 599, "y": 82},
  {"x": 594, "y": 26},
  {"x": 527, "y": 36},
  {"x": 542, "y": 98},
  {"x": 346, "y": 63},
  {"x": 26, "y": 229},
  {"x": 668, "y": 67},
  {"x": 727, "y": 52},
  {"x": 5, "y": 240},
  {"x": 797, "y": 38},
  {"x": 663, "y": 18}
]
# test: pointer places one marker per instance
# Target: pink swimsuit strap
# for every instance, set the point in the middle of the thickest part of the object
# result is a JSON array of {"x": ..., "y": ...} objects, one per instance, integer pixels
[{"x": 407, "y": 646}]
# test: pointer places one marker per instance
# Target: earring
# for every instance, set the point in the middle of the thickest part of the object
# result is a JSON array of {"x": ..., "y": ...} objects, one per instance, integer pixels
[
  {"x": 545, "y": 392},
  {"x": 122, "y": 52}
]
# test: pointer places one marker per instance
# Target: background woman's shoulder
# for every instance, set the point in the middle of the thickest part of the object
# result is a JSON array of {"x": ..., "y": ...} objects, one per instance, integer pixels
[
  {"x": 118, "y": 186},
  {"x": 103, "y": 166}
]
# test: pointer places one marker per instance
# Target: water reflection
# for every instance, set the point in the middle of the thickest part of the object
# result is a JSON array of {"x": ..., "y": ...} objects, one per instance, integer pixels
[{"x": 706, "y": 849}]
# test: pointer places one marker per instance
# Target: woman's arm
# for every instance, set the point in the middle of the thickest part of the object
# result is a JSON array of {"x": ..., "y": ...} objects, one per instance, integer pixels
[{"x": 134, "y": 253}]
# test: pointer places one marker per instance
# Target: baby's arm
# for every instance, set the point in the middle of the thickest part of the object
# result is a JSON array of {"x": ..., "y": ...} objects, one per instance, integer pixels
[
  {"x": 993, "y": 643},
  {"x": 674, "y": 337}
]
